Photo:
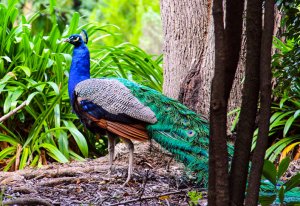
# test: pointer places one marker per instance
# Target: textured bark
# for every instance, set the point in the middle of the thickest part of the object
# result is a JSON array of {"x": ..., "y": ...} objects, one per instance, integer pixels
[
  {"x": 240, "y": 164},
  {"x": 265, "y": 106},
  {"x": 189, "y": 54},
  {"x": 188, "y": 46}
]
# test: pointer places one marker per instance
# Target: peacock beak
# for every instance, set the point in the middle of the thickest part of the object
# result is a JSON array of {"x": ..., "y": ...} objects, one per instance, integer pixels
[{"x": 67, "y": 40}]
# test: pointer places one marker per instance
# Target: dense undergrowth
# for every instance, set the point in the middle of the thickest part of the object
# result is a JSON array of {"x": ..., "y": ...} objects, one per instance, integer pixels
[{"x": 34, "y": 67}]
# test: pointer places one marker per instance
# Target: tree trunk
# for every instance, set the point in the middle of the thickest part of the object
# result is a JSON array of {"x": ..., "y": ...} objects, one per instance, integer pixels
[
  {"x": 218, "y": 192},
  {"x": 265, "y": 105},
  {"x": 188, "y": 50},
  {"x": 227, "y": 50},
  {"x": 240, "y": 163},
  {"x": 189, "y": 55}
]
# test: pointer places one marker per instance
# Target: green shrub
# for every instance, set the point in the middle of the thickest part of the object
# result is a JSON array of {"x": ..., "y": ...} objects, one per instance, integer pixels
[
  {"x": 34, "y": 68},
  {"x": 273, "y": 188},
  {"x": 284, "y": 130}
]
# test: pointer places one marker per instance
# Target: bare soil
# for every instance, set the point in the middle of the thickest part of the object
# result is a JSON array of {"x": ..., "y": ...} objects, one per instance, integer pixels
[{"x": 157, "y": 180}]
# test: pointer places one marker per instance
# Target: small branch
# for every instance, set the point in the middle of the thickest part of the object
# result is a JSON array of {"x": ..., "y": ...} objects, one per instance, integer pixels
[
  {"x": 12, "y": 112},
  {"x": 154, "y": 196},
  {"x": 144, "y": 184},
  {"x": 27, "y": 201}
]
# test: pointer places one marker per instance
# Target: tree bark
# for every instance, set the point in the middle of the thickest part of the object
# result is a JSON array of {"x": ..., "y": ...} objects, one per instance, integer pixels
[
  {"x": 188, "y": 50},
  {"x": 189, "y": 55},
  {"x": 240, "y": 164},
  {"x": 218, "y": 193},
  {"x": 265, "y": 106},
  {"x": 233, "y": 34},
  {"x": 227, "y": 50}
]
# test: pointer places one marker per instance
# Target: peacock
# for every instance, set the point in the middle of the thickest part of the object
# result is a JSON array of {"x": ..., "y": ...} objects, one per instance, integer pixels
[{"x": 127, "y": 110}]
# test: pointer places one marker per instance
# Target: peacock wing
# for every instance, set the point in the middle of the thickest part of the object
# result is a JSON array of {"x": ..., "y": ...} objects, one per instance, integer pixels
[
  {"x": 113, "y": 97},
  {"x": 108, "y": 104}
]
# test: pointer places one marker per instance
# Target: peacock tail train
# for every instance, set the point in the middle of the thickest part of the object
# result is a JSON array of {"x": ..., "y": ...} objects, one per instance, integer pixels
[{"x": 178, "y": 129}]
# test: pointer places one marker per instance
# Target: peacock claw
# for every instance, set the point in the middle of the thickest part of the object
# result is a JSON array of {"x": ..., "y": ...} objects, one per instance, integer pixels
[{"x": 111, "y": 170}]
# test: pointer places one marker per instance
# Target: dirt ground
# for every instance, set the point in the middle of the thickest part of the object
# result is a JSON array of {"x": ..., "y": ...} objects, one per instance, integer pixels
[{"x": 157, "y": 180}]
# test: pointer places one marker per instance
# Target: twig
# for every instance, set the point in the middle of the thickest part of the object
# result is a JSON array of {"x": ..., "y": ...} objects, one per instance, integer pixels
[
  {"x": 12, "y": 112},
  {"x": 27, "y": 201},
  {"x": 144, "y": 184},
  {"x": 150, "y": 197},
  {"x": 168, "y": 164}
]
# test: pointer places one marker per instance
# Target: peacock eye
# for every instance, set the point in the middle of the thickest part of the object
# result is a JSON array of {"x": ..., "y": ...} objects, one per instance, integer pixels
[
  {"x": 190, "y": 133},
  {"x": 185, "y": 121}
]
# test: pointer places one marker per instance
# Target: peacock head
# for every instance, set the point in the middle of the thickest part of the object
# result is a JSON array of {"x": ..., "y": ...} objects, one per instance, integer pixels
[{"x": 78, "y": 39}]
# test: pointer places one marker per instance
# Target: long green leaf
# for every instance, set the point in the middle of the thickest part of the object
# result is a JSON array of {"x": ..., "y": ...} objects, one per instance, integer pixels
[
  {"x": 293, "y": 182},
  {"x": 79, "y": 138},
  {"x": 25, "y": 155},
  {"x": 284, "y": 164},
  {"x": 40, "y": 121},
  {"x": 58, "y": 156},
  {"x": 287, "y": 125},
  {"x": 5, "y": 153}
]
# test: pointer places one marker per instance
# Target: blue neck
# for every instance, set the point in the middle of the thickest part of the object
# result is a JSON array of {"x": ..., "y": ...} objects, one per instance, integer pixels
[{"x": 80, "y": 68}]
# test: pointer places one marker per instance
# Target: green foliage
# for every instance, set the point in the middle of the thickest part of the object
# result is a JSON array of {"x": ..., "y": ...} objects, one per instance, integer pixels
[
  {"x": 129, "y": 62},
  {"x": 291, "y": 17},
  {"x": 284, "y": 128},
  {"x": 284, "y": 123},
  {"x": 194, "y": 196},
  {"x": 286, "y": 64},
  {"x": 34, "y": 67},
  {"x": 278, "y": 189},
  {"x": 126, "y": 15},
  {"x": 286, "y": 61}
]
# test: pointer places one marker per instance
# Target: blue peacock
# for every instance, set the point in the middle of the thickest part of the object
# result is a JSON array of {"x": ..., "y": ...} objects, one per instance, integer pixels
[{"x": 131, "y": 111}]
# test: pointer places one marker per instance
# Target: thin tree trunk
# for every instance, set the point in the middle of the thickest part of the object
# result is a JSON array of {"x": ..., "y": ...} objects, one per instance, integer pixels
[
  {"x": 240, "y": 164},
  {"x": 227, "y": 50},
  {"x": 265, "y": 106},
  {"x": 218, "y": 193},
  {"x": 233, "y": 33}
]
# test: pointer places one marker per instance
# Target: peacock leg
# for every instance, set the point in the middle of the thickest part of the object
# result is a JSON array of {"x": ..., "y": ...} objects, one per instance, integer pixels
[
  {"x": 111, "y": 150},
  {"x": 130, "y": 147}
]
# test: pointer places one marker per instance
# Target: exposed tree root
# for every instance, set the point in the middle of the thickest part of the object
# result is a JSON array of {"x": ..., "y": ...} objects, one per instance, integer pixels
[
  {"x": 27, "y": 201},
  {"x": 62, "y": 180}
]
